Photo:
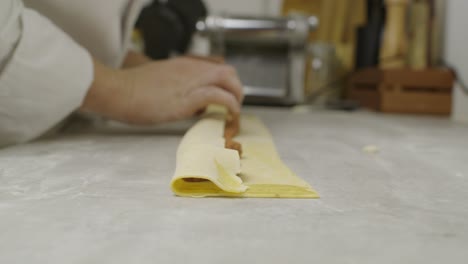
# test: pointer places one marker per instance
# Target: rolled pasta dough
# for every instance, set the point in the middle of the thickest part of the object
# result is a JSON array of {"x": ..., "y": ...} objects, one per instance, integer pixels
[{"x": 205, "y": 168}]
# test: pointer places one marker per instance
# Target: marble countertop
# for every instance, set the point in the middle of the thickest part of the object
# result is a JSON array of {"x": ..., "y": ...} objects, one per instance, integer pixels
[{"x": 104, "y": 197}]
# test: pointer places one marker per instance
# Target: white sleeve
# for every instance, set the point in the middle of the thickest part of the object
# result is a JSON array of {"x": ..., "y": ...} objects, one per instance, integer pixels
[{"x": 44, "y": 74}]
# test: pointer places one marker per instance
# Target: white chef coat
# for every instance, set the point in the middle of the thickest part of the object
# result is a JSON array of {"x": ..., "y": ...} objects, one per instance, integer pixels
[{"x": 45, "y": 58}]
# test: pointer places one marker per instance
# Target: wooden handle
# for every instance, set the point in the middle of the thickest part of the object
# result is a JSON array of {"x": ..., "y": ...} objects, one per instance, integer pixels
[{"x": 395, "y": 43}]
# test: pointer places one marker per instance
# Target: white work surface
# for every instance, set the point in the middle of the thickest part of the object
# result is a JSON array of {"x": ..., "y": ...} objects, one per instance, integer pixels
[{"x": 105, "y": 197}]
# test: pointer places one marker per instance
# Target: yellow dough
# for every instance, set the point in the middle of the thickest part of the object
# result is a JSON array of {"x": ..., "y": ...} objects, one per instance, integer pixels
[{"x": 259, "y": 173}]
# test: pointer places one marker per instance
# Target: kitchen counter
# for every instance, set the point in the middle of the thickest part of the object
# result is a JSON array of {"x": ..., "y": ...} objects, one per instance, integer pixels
[{"x": 104, "y": 197}]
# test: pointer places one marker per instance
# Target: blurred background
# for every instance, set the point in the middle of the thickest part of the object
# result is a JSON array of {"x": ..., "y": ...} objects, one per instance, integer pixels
[{"x": 394, "y": 56}]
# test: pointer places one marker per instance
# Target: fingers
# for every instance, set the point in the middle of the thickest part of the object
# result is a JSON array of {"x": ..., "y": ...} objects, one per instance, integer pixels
[
  {"x": 202, "y": 97},
  {"x": 226, "y": 77},
  {"x": 213, "y": 59},
  {"x": 221, "y": 75}
]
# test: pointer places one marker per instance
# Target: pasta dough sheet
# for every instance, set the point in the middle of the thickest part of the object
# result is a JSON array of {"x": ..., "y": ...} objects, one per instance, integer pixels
[{"x": 205, "y": 168}]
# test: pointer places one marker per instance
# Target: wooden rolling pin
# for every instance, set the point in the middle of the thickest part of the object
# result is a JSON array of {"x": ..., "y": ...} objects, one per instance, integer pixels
[
  {"x": 395, "y": 41},
  {"x": 231, "y": 129},
  {"x": 418, "y": 51}
]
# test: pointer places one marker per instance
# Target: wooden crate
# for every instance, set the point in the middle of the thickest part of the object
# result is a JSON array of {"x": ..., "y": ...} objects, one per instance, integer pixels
[{"x": 403, "y": 90}]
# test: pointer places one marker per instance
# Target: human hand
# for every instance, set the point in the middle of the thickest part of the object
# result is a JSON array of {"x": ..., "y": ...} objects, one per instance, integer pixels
[
  {"x": 162, "y": 91},
  {"x": 134, "y": 58}
]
